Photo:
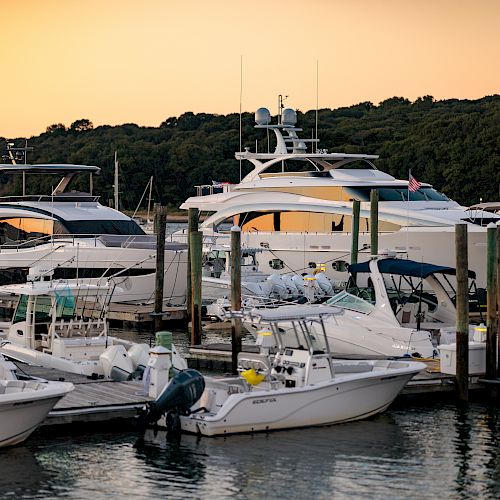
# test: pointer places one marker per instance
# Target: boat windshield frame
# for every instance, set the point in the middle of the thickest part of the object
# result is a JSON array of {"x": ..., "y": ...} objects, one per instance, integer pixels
[{"x": 353, "y": 303}]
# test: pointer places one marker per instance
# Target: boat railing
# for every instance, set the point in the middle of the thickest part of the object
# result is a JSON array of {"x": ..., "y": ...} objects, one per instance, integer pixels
[
  {"x": 215, "y": 188},
  {"x": 62, "y": 197},
  {"x": 43, "y": 240}
]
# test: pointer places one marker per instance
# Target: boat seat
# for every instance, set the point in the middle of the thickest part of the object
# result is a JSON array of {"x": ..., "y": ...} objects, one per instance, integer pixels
[{"x": 259, "y": 362}]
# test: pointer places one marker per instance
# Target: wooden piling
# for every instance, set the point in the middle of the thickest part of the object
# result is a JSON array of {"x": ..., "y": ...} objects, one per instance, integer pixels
[
  {"x": 355, "y": 231},
  {"x": 491, "y": 335},
  {"x": 195, "y": 244},
  {"x": 192, "y": 226},
  {"x": 235, "y": 295},
  {"x": 462, "y": 305},
  {"x": 497, "y": 266},
  {"x": 161, "y": 224},
  {"x": 374, "y": 221}
]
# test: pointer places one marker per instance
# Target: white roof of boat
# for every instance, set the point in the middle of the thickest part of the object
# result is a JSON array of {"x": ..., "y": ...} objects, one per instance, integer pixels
[
  {"x": 50, "y": 287},
  {"x": 49, "y": 168},
  {"x": 295, "y": 312}
]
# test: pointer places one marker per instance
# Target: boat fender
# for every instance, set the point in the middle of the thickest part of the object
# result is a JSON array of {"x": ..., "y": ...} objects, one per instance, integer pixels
[{"x": 252, "y": 377}]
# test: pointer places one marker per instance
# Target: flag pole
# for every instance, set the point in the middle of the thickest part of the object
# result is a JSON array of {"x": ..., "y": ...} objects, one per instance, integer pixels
[{"x": 408, "y": 214}]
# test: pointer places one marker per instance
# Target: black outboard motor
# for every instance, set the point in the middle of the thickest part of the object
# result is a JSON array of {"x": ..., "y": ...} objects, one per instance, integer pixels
[{"x": 183, "y": 391}]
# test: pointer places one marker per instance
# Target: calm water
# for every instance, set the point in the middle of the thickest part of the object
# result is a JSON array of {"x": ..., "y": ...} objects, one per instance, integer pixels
[
  {"x": 414, "y": 451},
  {"x": 438, "y": 451}
]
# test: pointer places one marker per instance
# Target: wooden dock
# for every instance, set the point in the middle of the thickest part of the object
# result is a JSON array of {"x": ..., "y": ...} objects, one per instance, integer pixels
[{"x": 92, "y": 400}]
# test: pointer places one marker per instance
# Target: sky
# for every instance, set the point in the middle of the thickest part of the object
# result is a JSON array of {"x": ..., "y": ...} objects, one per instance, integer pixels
[{"x": 142, "y": 61}]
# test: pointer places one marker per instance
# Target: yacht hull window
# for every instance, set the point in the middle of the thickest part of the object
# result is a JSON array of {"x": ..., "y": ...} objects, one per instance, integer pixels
[
  {"x": 398, "y": 193},
  {"x": 312, "y": 222}
]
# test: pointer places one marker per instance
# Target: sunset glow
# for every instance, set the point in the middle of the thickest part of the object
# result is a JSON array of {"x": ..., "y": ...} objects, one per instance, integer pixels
[{"x": 120, "y": 61}]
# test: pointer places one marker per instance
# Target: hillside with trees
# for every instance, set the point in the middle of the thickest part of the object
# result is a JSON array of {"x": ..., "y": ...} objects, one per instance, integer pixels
[{"x": 452, "y": 144}]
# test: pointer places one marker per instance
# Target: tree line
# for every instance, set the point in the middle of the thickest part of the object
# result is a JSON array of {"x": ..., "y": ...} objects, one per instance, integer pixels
[{"x": 453, "y": 144}]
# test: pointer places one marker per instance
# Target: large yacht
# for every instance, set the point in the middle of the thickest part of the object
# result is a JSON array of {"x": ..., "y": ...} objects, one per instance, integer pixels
[
  {"x": 298, "y": 205},
  {"x": 69, "y": 234}
]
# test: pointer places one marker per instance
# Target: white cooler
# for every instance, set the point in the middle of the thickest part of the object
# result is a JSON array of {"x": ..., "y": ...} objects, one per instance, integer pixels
[{"x": 477, "y": 358}]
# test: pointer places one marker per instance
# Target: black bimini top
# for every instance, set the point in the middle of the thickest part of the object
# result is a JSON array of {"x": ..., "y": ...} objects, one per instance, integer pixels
[{"x": 406, "y": 267}]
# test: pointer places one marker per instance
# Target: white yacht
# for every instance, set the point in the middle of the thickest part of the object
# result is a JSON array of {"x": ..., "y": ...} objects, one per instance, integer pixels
[
  {"x": 74, "y": 235},
  {"x": 297, "y": 205}
]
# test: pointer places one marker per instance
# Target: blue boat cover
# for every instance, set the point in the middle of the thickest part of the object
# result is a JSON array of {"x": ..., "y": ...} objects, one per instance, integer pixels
[{"x": 406, "y": 267}]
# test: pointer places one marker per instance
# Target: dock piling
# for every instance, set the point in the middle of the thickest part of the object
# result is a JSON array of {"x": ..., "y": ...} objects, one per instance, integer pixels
[
  {"x": 195, "y": 245},
  {"x": 374, "y": 222},
  {"x": 462, "y": 305},
  {"x": 192, "y": 226},
  {"x": 161, "y": 224},
  {"x": 491, "y": 335},
  {"x": 235, "y": 295},
  {"x": 355, "y": 231}
]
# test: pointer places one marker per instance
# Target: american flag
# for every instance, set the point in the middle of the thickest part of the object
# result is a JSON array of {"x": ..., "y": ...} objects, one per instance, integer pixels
[{"x": 413, "y": 184}]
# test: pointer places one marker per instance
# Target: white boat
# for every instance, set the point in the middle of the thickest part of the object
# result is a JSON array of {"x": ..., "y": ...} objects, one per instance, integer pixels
[
  {"x": 63, "y": 325},
  {"x": 297, "y": 205},
  {"x": 72, "y": 233},
  {"x": 24, "y": 403},
  {"x": 296, "y": 387}
]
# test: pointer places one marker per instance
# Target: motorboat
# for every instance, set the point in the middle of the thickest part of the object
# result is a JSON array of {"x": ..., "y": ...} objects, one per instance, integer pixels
[
  {"x": 407, "y": 293},
  {"x": 297, "y": 204},
  {"x": 64, "y": 325},
  {"x": 293, "y": 387},
  {"x": 24, "y": 404},
  {"x": 76, "y": 236}
]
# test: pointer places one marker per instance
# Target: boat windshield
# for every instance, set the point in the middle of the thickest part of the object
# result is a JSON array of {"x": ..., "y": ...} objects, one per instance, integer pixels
[
  {"x": 397, "y": 193},
  {"x": 345, "y": 300},
  {"x": 43, "y": 306}
]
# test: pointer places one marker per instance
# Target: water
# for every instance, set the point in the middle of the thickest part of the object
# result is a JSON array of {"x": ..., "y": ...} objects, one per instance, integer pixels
[
  {"x": 418, "y": 452},
  {"x": 410, "y": 451}
]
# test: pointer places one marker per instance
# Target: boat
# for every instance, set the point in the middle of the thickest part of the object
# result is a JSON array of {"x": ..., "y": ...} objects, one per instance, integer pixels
[
  {"x": 407, "y": 293},
  {"x": 64, "y": 325},
  {"x": 24, "y": 404},
  {"x": 297, "y": 204},
  {"x": 293, "y": 387},
  {"x": 76, "y": 236}
]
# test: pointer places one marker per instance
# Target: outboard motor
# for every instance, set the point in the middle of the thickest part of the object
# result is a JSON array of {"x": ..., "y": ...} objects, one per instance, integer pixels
[
  {"x": 293, "y": 292},
  {"x": 299, "y": 283},
  {"x": 324, "y": 283},
  {"x": 278, "y": 289},
  {"x": 177, "y": 398}
]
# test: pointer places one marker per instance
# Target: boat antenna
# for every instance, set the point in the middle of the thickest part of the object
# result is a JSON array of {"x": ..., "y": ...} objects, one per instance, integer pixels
[
  {"x": 241, "y": 99},
  {"x": 317, "y": 101},
  {"x": 116, "y": 182},
  {"x": 281, "y": 99}
]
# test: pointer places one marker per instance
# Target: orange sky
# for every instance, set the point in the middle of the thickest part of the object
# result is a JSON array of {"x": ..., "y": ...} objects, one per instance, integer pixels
[{"x": 119, "y": 61}]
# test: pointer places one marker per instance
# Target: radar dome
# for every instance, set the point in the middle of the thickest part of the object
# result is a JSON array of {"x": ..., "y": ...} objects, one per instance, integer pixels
[
  {"x": 262, "y": 116},
  {"x": 289, "y": 116}
]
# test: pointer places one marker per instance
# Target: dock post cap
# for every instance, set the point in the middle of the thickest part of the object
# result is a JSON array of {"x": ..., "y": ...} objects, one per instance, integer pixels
[
  {"x": 492, "y": 225},
  {"x": 236, "y": 229},
  {"x": 159, "y": 349}
]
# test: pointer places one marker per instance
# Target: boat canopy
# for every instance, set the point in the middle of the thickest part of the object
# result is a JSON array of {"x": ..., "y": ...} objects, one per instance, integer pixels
[
  {"x": 406, "y": 268},
  {"x": 49, "y": 168}
]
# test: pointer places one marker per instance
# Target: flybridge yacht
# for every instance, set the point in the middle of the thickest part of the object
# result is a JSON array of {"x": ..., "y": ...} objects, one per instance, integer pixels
[
  {"x": 298, "y": 205},
  {"x": 71, "y": 235}
]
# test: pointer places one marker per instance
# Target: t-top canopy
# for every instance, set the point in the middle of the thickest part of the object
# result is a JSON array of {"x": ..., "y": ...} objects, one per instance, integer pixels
[
  {"x": 49, "y": 168},
  {"x": 406, "y": 267}
]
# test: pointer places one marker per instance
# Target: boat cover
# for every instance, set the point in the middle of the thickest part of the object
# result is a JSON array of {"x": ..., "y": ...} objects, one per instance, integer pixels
[{"x": 406, "y": 267}]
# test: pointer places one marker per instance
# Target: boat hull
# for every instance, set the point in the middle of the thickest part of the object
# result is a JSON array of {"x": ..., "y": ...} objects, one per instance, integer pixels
[
  {"x": 21, "y": 413},
  {"x": 343, "y": 399}
]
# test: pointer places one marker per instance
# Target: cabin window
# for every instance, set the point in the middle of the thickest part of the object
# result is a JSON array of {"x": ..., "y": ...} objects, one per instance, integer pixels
[
  {"x": 27, "y": 228},
  {"x": 400, "y": 193},
  {"x": 125, "y": 227},
  {"x": 42, "y": 309}
]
